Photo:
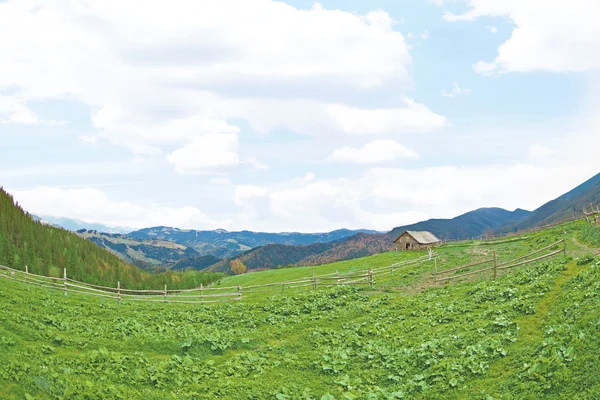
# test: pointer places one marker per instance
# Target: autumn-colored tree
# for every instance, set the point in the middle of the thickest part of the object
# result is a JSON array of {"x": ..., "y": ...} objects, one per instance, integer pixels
[{"x": 237, "y": 267}]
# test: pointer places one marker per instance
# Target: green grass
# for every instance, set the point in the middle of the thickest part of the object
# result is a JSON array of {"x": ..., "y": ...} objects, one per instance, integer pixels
[
  {"x": 288, "y": 274},
  {"x": 532, "y": 333}
]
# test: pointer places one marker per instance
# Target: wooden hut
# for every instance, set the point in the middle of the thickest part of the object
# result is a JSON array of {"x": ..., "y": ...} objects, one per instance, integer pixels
[{"x": 413, "y": 240}]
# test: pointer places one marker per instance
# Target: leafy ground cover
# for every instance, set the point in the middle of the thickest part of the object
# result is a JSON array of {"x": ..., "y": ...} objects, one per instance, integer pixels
[{"x": 530, "y": 333}]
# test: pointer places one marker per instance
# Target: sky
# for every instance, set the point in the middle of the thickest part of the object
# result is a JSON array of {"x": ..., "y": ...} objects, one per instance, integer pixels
[{"x": 295, "y": 116}]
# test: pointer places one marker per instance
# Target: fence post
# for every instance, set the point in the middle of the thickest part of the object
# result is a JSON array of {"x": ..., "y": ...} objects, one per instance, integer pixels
[
  {"x": 314, "y": 278},
  {"x": 27, "y": 276},
  {"x": 565, "y": 244},
  {"x": 119, "y": 292},
  {"x": 337, "y": 275},
  {"x": 65, "y": 280},
  {"x": 239, "y": 292},
  {"x": 370, "y": 278},
  {"x": 165, "y": 293},
  {"x": 282, "y": 286},
  {"x": 495, "y": 265},
  {"x": 201, "y": 291},
  {"x": 391, "y": 270}
]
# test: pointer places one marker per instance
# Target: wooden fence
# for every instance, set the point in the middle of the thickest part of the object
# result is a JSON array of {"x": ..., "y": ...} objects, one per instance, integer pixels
[
  {"x": 203, "y": 294},
  {"x": 218, "y": 294},
  {"x": 491, "y": 265}
]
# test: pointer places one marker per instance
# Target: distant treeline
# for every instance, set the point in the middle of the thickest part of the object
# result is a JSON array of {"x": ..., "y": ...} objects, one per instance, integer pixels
[{"x": 46, "y": 250}]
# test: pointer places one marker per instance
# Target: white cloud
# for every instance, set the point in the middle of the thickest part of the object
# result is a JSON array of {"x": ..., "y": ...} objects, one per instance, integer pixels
[
  {"x": 538, "y": 151},
  {"x": 89, "y": 140},
  {"x": 244, "y": 192},
  {"x": 422, "y": 36},
  {"x": 168, "y": 73},
  {"x": 374, "y": 152},
  {"x": 382, "y": 198},
  {"x": 562, "y": 38},
  {"x": 219, "y": 181},
  {"x": 315, "y": 118},
  {"x": 484, "y": 68},
  {"x": 492, "y": 29},
  {"x": 92, "y": 205},
  {"x": 456, "y": 91},
  {"x": 14, "y": 110},
  {"x": 308, "y": 177},
  {"x": 207, "y": 152}
]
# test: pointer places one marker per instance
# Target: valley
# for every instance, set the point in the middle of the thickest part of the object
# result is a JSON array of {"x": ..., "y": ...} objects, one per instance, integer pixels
[{"x": 520, "y": 334}]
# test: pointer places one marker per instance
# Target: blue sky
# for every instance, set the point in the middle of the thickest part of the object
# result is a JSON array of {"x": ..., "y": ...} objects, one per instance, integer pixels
[{"x": 295, "y": 116}]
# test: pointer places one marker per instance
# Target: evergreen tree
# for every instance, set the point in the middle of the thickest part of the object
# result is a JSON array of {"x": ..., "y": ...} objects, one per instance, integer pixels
[{"x": 47, "y": 250}]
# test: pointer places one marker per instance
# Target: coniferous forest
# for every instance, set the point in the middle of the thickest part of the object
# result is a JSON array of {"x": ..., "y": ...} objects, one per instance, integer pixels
[{"x": 46, "y": 250}]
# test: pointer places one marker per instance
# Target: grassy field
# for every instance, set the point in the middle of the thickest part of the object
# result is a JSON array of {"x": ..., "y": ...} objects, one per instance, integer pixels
[
  {"x": 416, "y": 276},
  {"x": 531, "y": 333}
]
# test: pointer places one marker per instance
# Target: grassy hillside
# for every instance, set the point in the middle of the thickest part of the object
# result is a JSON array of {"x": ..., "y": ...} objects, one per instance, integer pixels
[
  {"x": 532, "y": 333},
  {"x": 472, "y": 224},
  {"x": 46, "y": 250}
]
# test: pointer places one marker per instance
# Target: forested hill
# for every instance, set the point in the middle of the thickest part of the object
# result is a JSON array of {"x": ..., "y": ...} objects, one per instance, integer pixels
[
  {"x": 568, "y": 205},
  {"x": 473, "y": 223},
  {"x": 46, "y": 250},
  {"x": 280, "y": 255}
]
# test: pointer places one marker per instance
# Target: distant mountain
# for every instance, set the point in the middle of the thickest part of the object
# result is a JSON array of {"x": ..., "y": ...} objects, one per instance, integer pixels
[
  {"x": 277, "y": 255},
  {"x": 187, "y": 249},
  {"x": 163, "y": 248},
  {"x": 566, "y": 206},
  {"x": 471, "y": 224},
  {"x": 152, "y": 255},
  {"x": 474, "y": 223},
  {"x": 222, "y": 243},
  {"x": 76, "y": 224}
]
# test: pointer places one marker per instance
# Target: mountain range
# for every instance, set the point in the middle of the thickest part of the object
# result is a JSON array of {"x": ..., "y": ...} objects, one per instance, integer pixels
[
  {"x": 171, "y": 248},
  {"x": 160, "y": 248}
]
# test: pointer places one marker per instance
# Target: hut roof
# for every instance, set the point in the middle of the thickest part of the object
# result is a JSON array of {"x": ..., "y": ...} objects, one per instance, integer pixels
[{"x": 422, "y": 237}]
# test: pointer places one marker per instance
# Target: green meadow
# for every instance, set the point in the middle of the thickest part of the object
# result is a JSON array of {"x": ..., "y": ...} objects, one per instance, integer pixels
[{"x": 532, "y": 332}]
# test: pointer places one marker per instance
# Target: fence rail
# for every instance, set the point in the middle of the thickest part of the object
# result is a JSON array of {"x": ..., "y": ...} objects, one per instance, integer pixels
[
  {"x": 218, "y": 294},
  {"x": 442, "y": 276},
  {"x": 202, "y": 294}
]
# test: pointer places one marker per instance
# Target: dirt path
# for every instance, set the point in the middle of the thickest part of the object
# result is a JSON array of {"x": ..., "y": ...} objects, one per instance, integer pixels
[{"x": 585, "y": 248}]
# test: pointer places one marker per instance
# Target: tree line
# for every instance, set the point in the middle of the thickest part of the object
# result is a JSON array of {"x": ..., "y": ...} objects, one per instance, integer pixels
[{"x": 46, "y": 250}]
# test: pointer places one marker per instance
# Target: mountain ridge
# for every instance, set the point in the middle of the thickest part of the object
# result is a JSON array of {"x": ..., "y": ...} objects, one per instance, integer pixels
[{"x": 569, "y": 204}]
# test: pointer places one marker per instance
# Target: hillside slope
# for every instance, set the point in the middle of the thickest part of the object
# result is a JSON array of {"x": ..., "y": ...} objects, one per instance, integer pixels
[
  {"x": 197, "y": 263},
  {"x": 46, "y": 250},
  {"x": 566, "y": 206},
  {"x": 150, "y": 255},
  {"x": 471, "y": 224},
  {"x": 278, "y": 255}
]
